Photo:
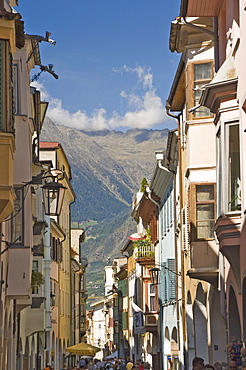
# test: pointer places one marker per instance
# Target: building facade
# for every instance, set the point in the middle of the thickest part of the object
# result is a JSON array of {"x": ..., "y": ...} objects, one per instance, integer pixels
[
  {"x": 61, "y": 274},
  {"x": 22, "y": 115},
  {"x": 203, "y": 329},
  {"x": 212, "y": 175}
]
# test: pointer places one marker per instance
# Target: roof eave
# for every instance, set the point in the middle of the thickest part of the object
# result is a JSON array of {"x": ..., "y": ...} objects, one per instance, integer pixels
[
  {"x": 177, "y": 86},
  {"x": 183, "y": 8}
]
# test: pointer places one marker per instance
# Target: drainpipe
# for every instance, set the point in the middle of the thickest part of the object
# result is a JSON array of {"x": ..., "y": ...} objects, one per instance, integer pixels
[
  {"x": 150, "y": 198},
  {"x": 168, "y": 107},
  {"x": 179, "y": 222},
  {"x": 47, "y": 267},
  {"x": 214, "y": 34},
  {"x": 216, "y": 45},
  {"x": 70, "y": 265},
  {"x": 162, "y": 167}
]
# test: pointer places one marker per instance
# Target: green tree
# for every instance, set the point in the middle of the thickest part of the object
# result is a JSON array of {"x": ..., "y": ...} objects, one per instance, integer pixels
[{"x": 143, "y": 185}]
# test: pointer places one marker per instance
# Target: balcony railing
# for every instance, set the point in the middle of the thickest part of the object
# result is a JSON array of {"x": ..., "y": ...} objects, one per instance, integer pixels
[{"x": 145, "y": 253}]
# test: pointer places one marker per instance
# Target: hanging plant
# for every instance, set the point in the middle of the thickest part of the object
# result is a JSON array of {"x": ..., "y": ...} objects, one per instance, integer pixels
[{"x": 37, "y": 279}]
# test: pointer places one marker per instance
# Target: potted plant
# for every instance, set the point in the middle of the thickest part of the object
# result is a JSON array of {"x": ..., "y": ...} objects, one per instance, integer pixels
[{"x": 37, "y": 279}]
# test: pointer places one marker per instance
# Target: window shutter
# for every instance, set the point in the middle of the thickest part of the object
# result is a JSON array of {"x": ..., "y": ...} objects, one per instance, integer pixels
[
  {"x": 165, "y": 282},
  {"x": 161, "y": 222},
  {"x": 124, "y": 320},
  {"x": 171, "y": 272},
  {"x": 122, "y": 286},
  {"x": 6, "y": 88},
  {"x": 171, "y": 208},
  {"x": 11, "y": 94},
  {"x": 1, "y": 276},
  {"x": 34, "y": 205},
  {"x": 2, "y": 84},
  {"x": 185, "y": 229}
]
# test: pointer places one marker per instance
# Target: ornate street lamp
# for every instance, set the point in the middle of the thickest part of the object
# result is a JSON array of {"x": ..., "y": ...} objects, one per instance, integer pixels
[
  {"x": 52, "y": 299},
  {"x": 53, "y": 191},
  {"x": 154, "y": 275},
  {"x": 53, "y": 195}
]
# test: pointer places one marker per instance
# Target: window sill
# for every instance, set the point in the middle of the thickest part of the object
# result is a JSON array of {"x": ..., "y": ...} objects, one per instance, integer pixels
[
  {"x": 202, "y": 240},
  {"x": 233, "y": 213}
]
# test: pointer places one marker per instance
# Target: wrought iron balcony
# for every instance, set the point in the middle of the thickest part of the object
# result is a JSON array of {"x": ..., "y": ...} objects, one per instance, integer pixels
[{"x": 145, "y": 253}]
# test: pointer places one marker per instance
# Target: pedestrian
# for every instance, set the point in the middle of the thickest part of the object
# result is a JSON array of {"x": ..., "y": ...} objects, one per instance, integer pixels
[
  {"x": 94, "y": 365},
  {"x": 129, "y": 365},
  {"x": 208, "y": 367},
  {"x": 146, "y": 366},
  {"x": 98, "y": 364},
  {"x": 198, "y": 363},
  {"x": 89, "y": 364},
  {"x": 217, "y": 365},
  {"x": 82, "y": 362},
  {"x": 122, "y": 365},
  {"x": 140, "y": 364},
  {"x": 233, "y": 365},
  {"x": 116, "y": 364},
  {"x": 108, "y": 363}
]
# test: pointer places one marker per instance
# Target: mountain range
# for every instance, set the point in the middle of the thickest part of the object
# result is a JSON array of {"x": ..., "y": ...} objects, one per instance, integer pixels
[{"x": 107, "y": 169}]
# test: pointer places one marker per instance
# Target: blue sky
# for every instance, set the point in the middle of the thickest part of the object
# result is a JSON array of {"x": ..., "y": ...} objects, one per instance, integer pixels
[{"x": 112, "y": 57}]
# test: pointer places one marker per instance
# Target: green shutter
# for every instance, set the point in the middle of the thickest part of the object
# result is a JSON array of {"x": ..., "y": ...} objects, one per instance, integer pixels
[
  {"x": 124, "y": 320},
  {"x": 11, "y": 94},
  {"x": 2, "y": 84},
  {"x": 122, "y": 286}
]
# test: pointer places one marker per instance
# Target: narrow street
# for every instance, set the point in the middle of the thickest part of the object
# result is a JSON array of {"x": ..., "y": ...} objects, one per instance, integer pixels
[{"x": 122, "y": 233}]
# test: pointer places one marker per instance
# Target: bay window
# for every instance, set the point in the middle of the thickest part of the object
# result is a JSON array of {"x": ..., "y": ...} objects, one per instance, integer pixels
[
  {"x": 233, "y": 167},
  {"x": 7, "y": 109},
  {"x": 228, "y": 168},
  {"x": 203, "y": 212},
  {"x": 199, "y": 74}
]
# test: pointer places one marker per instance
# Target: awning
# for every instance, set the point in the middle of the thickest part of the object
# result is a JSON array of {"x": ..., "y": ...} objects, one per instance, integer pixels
[
  {"x": 113, "y": 355},
  {"x": 136, "y": 236},
  {"x": 83, "y": 349},
  {"x": 136, "y": 308}
]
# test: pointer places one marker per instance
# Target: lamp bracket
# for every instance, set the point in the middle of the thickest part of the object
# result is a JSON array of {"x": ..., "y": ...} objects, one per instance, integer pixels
[
  {"x": 48, "y": 69},
  {"x": 160, "y": 266},
  {"x": 9, "y": 245},
  {"x": 37, "y": 180}
]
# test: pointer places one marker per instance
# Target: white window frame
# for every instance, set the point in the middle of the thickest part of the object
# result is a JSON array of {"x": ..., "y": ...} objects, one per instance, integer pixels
[
  {"x": 223, "y": 181},
  {"x": 152, "y": 295},
  {"x": 39, "y": 291}
]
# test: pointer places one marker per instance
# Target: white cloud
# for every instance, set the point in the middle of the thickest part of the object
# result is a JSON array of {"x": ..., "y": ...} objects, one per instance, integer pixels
[{"x": 144, "y": 106}]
